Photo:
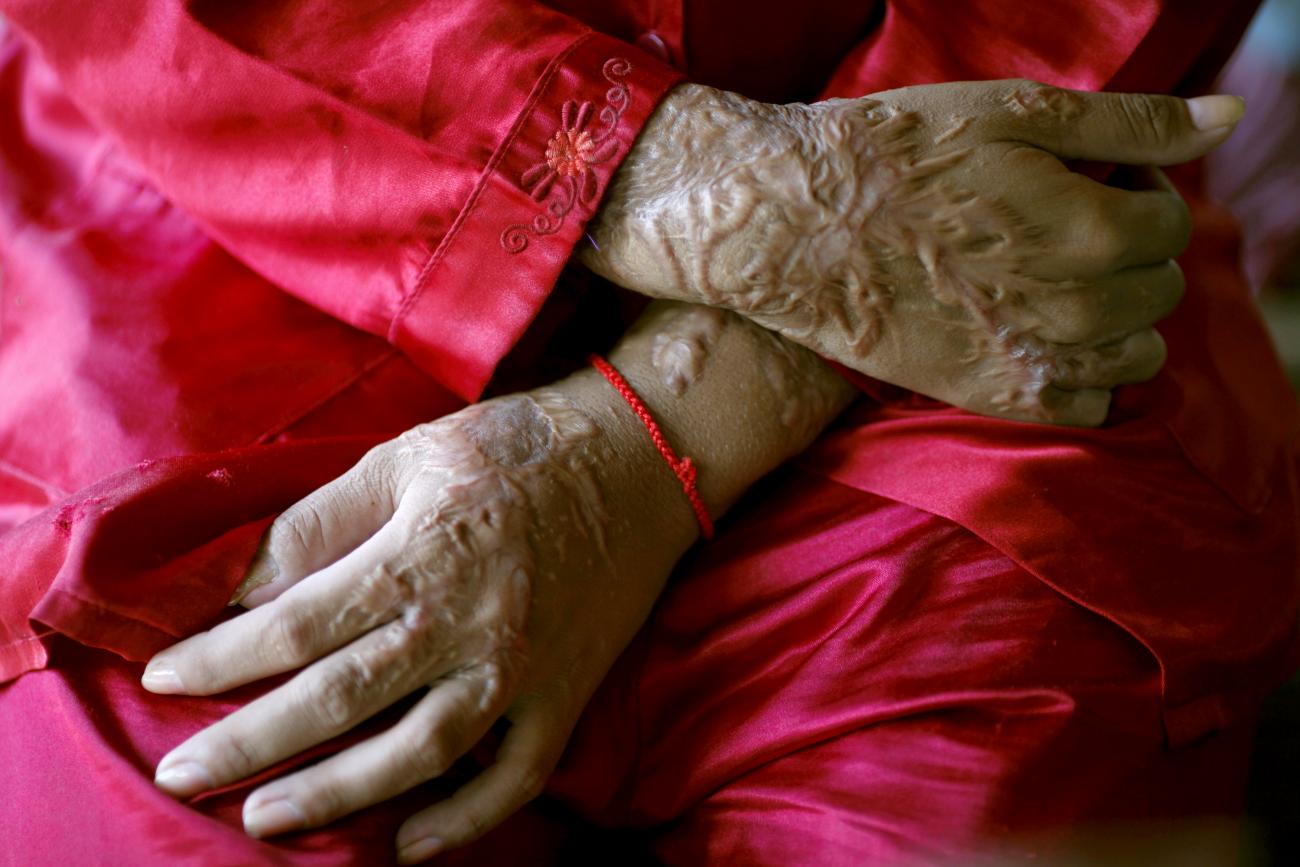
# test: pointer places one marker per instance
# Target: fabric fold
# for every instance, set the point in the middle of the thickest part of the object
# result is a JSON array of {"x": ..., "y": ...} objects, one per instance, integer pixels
[
  {"x": 386, "y": 153},
  {"x": 152, "y": 554}
]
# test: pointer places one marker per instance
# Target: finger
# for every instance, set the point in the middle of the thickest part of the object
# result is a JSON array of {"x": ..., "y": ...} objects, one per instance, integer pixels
[
  {"x": 1154, "y": 207},
  {"x": 1108, "y": 309},
  {"x": 320, "y": 528},
  {"x": 1133, "y": 128},
  {"x": 1088, "y": 230},
  {"x": 1083, "y": 408},
  {"x": 527, "y": 757},
  {"x": 1153, "y": 225},
  {"x": 1135, "y": 358},
  {"x": 437, "y": 731},
  {"x": 321, "y": 702},
  {"x": 311, "y": 619},
  {"x": 368, "y": 587}
]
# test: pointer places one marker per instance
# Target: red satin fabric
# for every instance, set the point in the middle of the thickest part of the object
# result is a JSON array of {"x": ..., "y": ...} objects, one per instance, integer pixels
[
  {"x": 932, "y": 609},
  {"x": 838, "y": 679}
]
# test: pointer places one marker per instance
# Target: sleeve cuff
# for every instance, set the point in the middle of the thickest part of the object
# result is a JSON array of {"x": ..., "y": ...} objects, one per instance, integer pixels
[{"x": 488, "y": 278}]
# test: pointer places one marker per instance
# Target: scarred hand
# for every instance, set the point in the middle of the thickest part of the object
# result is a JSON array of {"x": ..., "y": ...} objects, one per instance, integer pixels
[
  {"x": 455, "y": 558},
  {"x": 929, "y": 236},
  {"x": 493, "y": 563}
]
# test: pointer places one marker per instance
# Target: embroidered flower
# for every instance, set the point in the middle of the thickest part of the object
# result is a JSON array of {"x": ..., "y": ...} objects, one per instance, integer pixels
[
  {"x": 570, "y": 154},
  {"x": 567, "y": 176}
]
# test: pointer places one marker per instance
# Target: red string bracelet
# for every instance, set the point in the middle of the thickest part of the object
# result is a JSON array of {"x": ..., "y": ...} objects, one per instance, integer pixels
[{"x": 683, "y": 468}]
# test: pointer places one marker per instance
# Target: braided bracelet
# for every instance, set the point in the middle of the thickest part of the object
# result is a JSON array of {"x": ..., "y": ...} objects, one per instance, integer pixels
[{"x": 683, "y": 468}]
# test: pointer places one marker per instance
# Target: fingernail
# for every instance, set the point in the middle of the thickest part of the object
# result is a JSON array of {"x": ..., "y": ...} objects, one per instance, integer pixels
[
  {"x": 184, "y": 779},
  {"x": 1213, "y": 112},
  {"x": 276, "y": 817},
  {"x": 263, "y": 571},
  {"x": 419, "y": 850},
  {"x": 161, "y": 677}
]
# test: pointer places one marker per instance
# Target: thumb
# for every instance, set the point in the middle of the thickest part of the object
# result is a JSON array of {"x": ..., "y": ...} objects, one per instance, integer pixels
[
  {"x": 1130, "y": 128},
  {"x": 321, "y": 528}
]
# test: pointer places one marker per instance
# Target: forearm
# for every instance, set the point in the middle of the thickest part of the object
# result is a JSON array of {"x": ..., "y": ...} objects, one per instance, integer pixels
[
  {"x": 671, "y": 222},
  {"x": 931, "y": 236},
  {"x": 736, "y": 399},
  {"x": 466, "y": 558},
  {"x": 739, "y": 204}
]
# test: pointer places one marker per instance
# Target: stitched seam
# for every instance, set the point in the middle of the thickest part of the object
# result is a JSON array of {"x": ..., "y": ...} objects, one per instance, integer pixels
[
  {"x": 113, "y": 612},
  {"x": 358, "y": 375},
  {"x": 560, "y": 191},
  {"x": 31, "y": 478},
  {"x": 19, "y": 642},
  {"x": 440, "y": 252}
]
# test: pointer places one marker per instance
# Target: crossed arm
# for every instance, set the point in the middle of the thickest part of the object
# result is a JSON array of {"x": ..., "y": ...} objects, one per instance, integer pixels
[
  {"x": 502, "y": 557},
  {"x": 930, "y": 237}
]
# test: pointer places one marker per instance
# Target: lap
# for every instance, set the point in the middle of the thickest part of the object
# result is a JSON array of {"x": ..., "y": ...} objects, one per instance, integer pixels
[
  {"x": 842, "y": 674},
  {"x": 837, "y": 676}
]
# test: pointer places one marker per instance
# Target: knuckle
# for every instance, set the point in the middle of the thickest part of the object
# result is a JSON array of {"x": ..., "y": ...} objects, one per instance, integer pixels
[
  {"x": 1081, "y": 319},
  {"x": 291, "y": 635},
  {"x": 202, "y": 674},
  {"x": 1016, "y": 93},
  {"x": 474, "y": 824},
  {"x": 326, "y": 799},
  {"x": 410, "y": 638},
  {"x": 1108, "y": 243},
  {"x": 430, "y": 756},
  {"x": 1049, "y": 110},
  {"x": 500, "y": 677},
  {"x": 375, "y": 462},
  {"x": 530, "y": 780},
  {"x": 230, "y": 757},
  {"x": 1105, "y": 239},
  {"x": 335, "y": 697},
  {"x": 298, "y": 530},
  {"x": 382, "y": 590},
  {"x": 1151, "y": 355},
  {"x": 373, "y": 474},
  {"x": 1044, "y": 96},
  {"x": 1149, "y": 119},
  {"x": 361, "y": 483},
  {"x": 1168, "y": 221},
  {"x": 1070, "y": 369}
]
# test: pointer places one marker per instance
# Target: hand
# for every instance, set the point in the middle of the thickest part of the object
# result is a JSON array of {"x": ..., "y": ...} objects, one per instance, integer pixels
[
  {"x": 453, "y": 559},
  {"x": 929, "y": 236},
  {"x": 467, "y": 558}
]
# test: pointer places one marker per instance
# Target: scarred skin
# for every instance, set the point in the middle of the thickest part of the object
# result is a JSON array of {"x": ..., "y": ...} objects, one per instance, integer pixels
[
  {"x": 455, "y": 557},
  {"x": 929, "y": 236},
  {"x": 685, "y": 337},
  {"x": 924, "y": 236}
]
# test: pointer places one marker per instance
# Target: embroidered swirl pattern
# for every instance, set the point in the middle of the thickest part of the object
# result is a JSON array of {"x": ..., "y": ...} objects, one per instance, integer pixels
[{"x": 567, "y": 176}]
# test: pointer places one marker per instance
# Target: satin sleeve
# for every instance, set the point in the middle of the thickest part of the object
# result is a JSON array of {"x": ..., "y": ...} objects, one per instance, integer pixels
[
  {"x": 421, "y": 171},
  {"x": 1155, "y": 46}
]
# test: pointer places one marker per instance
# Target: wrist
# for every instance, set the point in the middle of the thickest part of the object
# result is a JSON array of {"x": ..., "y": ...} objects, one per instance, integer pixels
[
  {"x": 650, "y": 523},
  {"x": 736, "y": 399},
  {"x": 686, "y": 211}
]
